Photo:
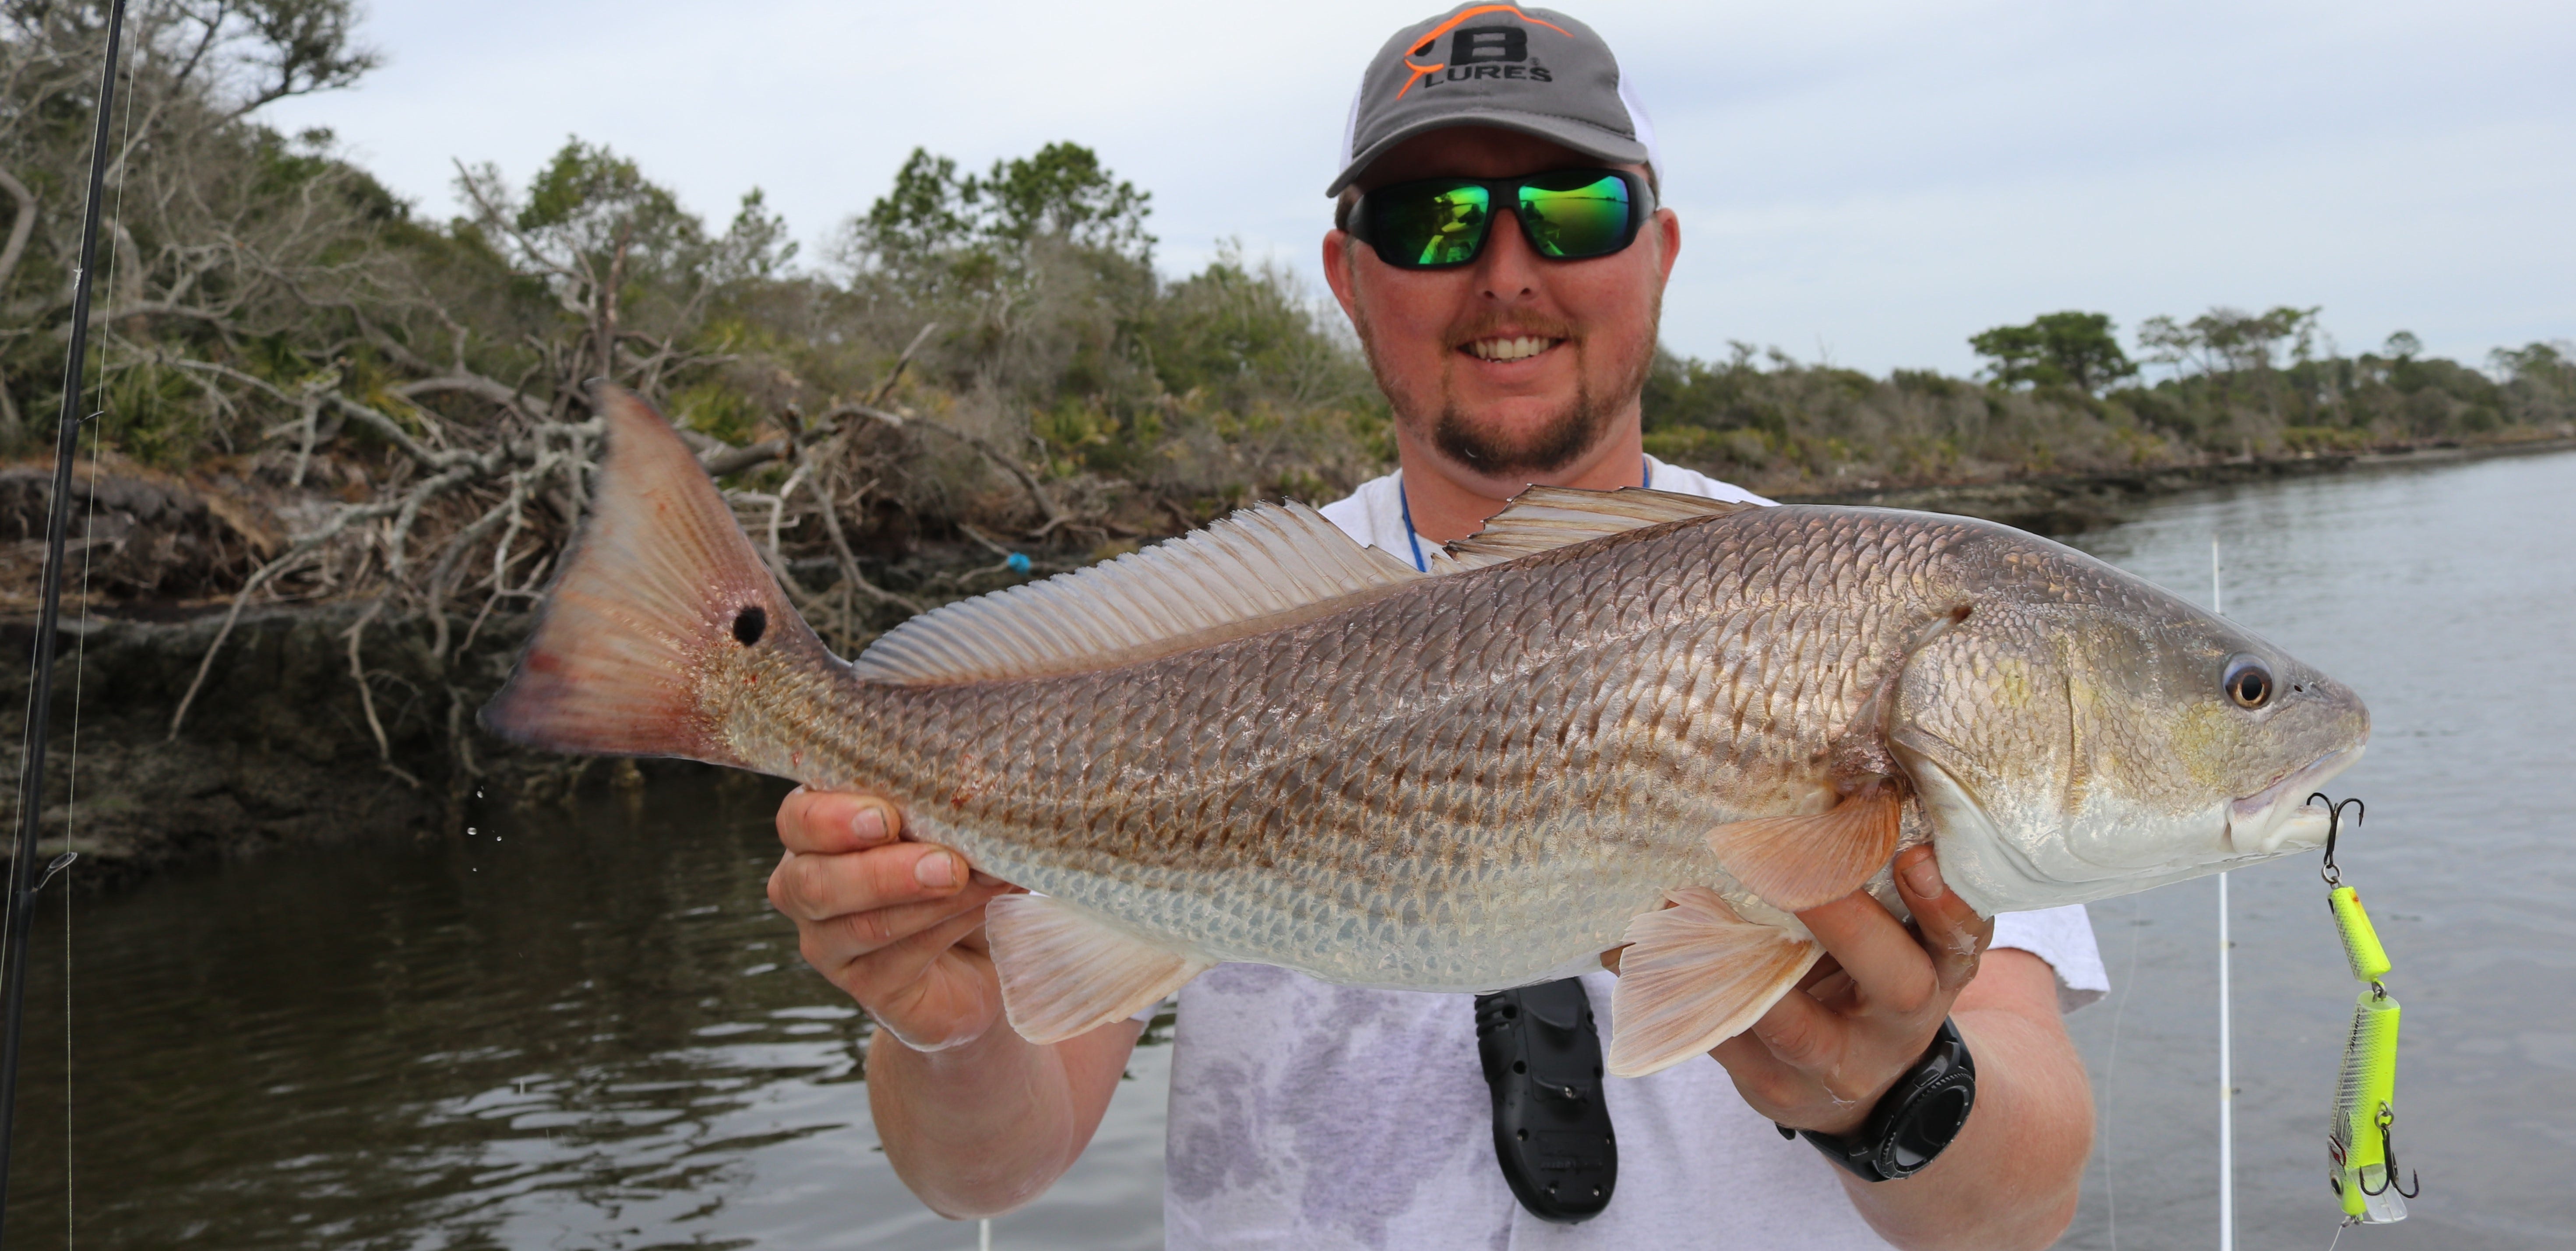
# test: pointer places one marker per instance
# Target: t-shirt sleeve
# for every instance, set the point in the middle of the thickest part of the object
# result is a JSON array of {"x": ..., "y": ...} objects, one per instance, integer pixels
[{"x": 2064, "y": 938}]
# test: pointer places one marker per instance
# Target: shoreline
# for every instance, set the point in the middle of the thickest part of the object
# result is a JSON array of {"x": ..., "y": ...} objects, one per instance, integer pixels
[
  {"x": 2062, "y": 504},
  {"x": 279, "y": 750}
]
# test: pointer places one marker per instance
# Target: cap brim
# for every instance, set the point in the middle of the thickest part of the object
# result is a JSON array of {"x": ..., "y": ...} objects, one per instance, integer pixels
[{"x": 1583, "y": 137}]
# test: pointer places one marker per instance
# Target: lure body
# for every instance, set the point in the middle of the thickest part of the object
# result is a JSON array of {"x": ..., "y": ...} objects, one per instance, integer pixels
[{"x": 2359, "y": 1139}]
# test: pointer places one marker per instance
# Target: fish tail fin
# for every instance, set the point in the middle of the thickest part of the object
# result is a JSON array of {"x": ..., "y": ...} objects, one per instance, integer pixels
[{"x": 656, "y": 591}]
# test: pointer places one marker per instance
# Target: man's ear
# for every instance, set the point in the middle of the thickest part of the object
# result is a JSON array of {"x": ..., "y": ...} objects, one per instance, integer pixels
[
  {"x": 1668, "y": 232},
  {"x": 1340, "y": 272}
]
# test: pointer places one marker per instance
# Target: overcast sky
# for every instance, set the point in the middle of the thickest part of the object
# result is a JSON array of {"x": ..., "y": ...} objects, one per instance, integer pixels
[{"x": 1864, "y": 182}]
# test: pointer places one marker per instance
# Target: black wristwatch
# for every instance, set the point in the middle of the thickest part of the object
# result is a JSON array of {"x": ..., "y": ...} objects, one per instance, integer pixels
[{"x": 1914, "y": 1120}]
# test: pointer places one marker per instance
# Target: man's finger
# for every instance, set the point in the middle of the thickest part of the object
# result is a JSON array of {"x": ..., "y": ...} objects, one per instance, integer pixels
[
  {"x": 1953, "y": 933},
  {"x": 1773, "y": 1088},
  {"x": 1803, "y": 1034},
  {"x": 891, "y": 973},
  {"x": 1885, "y": 962},
  {"x": 831, "y": 822},
  {"x": 816, "y": 887},
  {"x": 836, "y": 941}
]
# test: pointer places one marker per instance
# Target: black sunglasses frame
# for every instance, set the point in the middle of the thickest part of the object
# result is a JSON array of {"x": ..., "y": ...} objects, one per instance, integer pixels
[{"x": 1504, "y": 195}]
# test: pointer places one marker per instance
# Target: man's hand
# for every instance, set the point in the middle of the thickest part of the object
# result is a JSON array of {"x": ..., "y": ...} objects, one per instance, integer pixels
[
  {"x": 975, "y": 1119},
  {"x": 1821, "y": 1057},
  {"x": 898, "y": 925}
]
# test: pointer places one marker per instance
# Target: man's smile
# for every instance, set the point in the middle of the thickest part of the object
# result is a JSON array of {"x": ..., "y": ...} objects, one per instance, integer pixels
[{"x": 1511, "y": 348}]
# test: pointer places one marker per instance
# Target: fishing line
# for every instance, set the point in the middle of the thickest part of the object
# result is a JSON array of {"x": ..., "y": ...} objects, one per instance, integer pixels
[
  {"x": 80, "y": 668},
  {"x": 2111, "y": 1073},
  {"x": 71, "y": 767}
]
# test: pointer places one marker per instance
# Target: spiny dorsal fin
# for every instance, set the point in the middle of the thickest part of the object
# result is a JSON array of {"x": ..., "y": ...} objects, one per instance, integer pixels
[
  {"x": 1257, "y": 569},
  {"x": 1545, "y": 517}
]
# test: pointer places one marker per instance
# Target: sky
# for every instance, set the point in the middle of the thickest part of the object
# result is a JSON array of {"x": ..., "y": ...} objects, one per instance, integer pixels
[{"x": 1861, "y": 182}]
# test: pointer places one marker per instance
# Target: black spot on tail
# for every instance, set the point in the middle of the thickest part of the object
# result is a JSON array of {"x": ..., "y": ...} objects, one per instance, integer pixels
[{"x": 750, "y": 624}]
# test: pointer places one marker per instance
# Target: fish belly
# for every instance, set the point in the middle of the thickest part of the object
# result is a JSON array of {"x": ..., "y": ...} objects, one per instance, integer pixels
[{"x": 1437, "y": 925}]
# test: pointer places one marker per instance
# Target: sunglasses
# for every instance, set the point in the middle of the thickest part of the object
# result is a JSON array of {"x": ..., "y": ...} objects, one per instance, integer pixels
[{"x": 1567, "y": 215}]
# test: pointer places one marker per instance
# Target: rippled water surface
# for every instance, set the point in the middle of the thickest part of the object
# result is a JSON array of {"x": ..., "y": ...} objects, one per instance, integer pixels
[
  {"x": 2447, "y": 597},
  {"x": 586, "y": 1030}
]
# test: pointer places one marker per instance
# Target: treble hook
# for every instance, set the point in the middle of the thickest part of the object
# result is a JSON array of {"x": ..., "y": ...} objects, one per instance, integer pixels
[
  {"x": 2387, "y": 1120},
  {"x": 2334, "y": 827}
]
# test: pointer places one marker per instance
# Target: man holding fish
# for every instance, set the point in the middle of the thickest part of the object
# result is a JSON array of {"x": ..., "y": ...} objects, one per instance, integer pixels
[
  {"x": 1313, "y": 1114},
  {"x": 1709, "y": 746}
]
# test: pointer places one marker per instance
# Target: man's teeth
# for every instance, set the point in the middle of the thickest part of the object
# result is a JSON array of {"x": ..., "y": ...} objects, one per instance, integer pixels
[{"x": 1509, "y": 349}]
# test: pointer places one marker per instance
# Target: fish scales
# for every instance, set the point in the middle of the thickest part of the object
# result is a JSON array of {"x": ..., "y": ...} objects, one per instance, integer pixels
[{"x": 1541, "y": 780}]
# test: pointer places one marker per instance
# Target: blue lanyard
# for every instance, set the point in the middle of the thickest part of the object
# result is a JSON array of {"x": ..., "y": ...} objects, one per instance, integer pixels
[{"x": 1645, "y": 478}]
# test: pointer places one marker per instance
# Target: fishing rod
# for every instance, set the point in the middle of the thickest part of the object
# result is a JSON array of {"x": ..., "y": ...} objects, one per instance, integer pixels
[{"x": 23, "y": 882}]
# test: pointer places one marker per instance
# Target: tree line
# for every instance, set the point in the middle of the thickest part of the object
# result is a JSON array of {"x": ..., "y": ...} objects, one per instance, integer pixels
[
  {"x": 373, "y": 404},
  {"x": 2062, "y": 394}
]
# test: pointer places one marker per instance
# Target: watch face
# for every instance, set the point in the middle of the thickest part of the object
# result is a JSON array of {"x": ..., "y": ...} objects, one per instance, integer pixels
[
  {"x": 1930, "y": 1122},
  {"x": 1925, "y": 1109},
  {"x": 1914, "y": 1120}
]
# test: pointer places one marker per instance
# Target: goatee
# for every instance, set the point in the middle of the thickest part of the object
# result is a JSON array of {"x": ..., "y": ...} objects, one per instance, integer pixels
[{"x": 1554, "y": 442}]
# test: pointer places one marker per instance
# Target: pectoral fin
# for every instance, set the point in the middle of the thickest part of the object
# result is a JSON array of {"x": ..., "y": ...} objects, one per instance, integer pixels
[
  {"x": 1693, "y": 976},
  {"x": 1797, "y": 863},
  {"x": 1065, "y": 971}
]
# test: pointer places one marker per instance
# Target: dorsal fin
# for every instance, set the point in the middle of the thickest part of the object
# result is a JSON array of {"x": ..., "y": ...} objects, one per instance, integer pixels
[
  {"x": 1261, "y": 568},
  {"x": 1544, "y": 517}
]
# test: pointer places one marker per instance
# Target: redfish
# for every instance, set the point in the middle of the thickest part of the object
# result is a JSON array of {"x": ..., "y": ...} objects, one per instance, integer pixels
[{"x": 1610, "y": 718}]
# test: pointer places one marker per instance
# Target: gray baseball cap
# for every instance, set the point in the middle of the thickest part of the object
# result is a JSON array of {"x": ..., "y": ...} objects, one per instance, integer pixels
[{"x": 1532, "y": 70}]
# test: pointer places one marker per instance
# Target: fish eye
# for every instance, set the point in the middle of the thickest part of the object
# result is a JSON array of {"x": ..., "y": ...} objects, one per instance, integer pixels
[{"x": 2248, "y": 682}]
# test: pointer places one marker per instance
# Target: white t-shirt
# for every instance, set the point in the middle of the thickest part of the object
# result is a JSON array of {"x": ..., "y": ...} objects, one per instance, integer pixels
[{"x": 1308, "y": 1117}]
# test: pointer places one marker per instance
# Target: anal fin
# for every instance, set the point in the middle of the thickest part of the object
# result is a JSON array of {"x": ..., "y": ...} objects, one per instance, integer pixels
[
  {"x": 1065, "y": 971},
  {"x": 1695, "y": 975},
  {"x": 1797, "y": 863}
]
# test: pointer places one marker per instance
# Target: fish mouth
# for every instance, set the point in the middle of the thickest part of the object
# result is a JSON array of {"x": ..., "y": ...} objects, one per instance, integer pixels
[{"x": 2264, "y": 824}]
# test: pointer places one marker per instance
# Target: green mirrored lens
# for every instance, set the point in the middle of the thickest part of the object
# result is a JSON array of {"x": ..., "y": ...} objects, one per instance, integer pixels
[
  {"x": 1575, "y": 221},
  {"x": 1435, "y": 225}
]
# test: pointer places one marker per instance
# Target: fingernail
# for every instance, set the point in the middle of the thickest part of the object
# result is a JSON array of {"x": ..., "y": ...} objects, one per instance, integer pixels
[
  {"x": 1924, "y": 876},
  {"x": 869, "y": 825},
  {"x": 936, "y": 869},
  {"x": 985, "y": 879}
]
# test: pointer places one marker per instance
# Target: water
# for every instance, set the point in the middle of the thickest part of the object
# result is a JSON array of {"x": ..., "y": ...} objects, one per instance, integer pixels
[
  {"x": 2447, "y": 597},
  {"x": 587, "y": 1030},
  {"x": 580, "y": 1030}
]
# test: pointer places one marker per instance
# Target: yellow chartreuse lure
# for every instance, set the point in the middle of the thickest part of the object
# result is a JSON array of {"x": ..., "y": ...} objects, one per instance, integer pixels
[{"x": 2360, "y": 1140}]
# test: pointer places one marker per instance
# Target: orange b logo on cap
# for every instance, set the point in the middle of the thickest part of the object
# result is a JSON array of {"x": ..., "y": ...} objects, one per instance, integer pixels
[{"x": 1483, "y": 43}]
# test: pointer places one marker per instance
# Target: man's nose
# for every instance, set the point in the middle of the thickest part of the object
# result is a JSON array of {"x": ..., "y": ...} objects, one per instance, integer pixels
[{"x": 1509, "y": 269}]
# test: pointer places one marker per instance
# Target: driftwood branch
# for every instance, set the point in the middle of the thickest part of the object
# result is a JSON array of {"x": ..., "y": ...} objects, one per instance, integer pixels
[
  {"x": 733, "y": 460},
  {"x": 1054, "y": 513},
  {"x": 878, "y": 393},
  {"x": 21, "y": 224},
  {"x": 850, "y": 563},
  {"x": 367, "y": 697}
]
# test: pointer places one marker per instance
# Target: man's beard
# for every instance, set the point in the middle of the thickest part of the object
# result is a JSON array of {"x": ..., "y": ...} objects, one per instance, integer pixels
[{"x": 1555, "y": 442}]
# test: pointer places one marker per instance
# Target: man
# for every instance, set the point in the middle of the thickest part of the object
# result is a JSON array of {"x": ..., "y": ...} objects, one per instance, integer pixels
[{"x": 1511, "y": 324}]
